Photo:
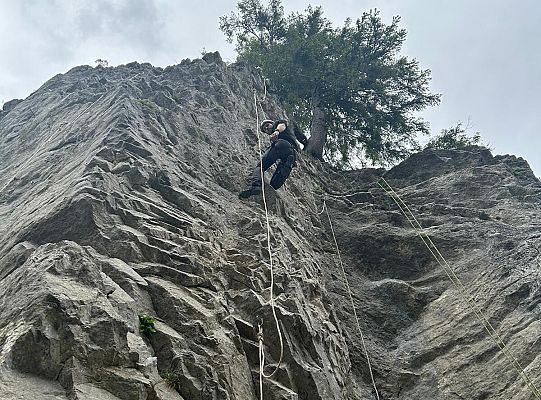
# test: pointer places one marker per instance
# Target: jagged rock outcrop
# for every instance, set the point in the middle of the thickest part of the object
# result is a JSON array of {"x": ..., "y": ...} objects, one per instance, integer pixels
[
  {"x": 8, "y": 106},
  {"x": 119, "y": 199}
]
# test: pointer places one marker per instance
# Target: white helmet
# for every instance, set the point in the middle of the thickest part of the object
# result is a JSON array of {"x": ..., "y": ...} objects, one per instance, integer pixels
[{"x": 264, "y": 125}]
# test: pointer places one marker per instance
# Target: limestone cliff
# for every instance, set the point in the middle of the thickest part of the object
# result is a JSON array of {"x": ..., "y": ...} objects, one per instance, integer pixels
[{"x": 119, "y": 199}]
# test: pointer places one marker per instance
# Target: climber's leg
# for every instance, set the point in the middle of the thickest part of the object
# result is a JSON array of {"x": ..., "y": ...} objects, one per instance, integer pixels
[
  {"x": 284, "y": 168},
  {"x": 255, "y": 180}
]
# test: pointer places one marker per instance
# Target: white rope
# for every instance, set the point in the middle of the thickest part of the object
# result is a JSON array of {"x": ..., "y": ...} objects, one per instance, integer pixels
[
  {"x": 351, "y": 298},
  {"x": 261, "y": 360},
  {"x": 271, "y": 300}
]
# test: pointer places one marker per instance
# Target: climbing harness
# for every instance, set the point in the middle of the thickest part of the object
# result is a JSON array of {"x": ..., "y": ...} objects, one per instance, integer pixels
[
  {"x": 271, "y": 265},
  {"x": 408, "y": 214},
  {"x": 346, "y": 283}
]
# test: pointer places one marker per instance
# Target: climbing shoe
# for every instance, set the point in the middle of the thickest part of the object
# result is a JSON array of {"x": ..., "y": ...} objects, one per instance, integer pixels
[{"x": 252, "y": 191}]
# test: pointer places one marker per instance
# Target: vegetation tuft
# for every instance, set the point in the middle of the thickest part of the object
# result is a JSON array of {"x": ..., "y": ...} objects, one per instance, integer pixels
[{"x": 146, "y": 325}]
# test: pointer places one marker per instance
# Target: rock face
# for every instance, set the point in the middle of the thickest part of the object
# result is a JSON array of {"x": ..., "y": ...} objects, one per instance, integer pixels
[{"x": 119, "y": 200}]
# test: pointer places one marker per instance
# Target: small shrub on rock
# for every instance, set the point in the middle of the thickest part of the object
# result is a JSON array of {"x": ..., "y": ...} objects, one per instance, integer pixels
[{"x": 146, "y": 325}]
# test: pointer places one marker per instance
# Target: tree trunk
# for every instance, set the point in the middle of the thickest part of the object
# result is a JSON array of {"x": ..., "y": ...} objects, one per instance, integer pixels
[{"x": 318, "y": 134}]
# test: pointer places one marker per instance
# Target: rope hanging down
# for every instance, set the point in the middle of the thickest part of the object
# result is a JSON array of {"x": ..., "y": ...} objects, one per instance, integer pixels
[
  {"x": 271, "y": 300},
  {"x": 408, "y": 214},
  {"x": 351, "y": 298}
]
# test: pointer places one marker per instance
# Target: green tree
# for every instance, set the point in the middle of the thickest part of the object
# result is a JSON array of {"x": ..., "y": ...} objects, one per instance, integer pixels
[
  {"x": 454, "y": 138},
  {"x": 348, "y": 86}
]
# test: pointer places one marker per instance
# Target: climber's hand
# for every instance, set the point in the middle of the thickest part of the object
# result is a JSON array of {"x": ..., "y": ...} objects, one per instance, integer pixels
[{"x": 274, "y": 136}]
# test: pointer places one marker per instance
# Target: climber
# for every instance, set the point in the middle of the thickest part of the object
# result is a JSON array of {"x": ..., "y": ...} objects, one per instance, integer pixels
[{"x": 283, "y": 150}]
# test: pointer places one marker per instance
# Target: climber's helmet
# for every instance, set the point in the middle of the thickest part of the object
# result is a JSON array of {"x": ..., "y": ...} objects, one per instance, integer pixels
[{"x": 266, "y": 126}]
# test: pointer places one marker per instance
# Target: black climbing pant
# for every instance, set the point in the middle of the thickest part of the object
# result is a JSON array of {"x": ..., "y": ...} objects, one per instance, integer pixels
[{"x": 282, "y": 152}]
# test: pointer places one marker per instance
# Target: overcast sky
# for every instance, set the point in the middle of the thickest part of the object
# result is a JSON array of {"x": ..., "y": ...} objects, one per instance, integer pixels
[{"x": 485, "y": 55}]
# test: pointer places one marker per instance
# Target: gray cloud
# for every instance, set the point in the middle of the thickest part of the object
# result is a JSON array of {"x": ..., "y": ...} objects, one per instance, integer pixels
[{"x": 137, "y": 22}]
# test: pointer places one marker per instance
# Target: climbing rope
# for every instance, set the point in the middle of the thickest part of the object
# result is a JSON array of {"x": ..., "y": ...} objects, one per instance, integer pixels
[
  {"x": 271, "y": 300},
  {"x": 260, "y": 327},
  {"x": 408, "y": 214},
  {"x": 350, "y": 298}
]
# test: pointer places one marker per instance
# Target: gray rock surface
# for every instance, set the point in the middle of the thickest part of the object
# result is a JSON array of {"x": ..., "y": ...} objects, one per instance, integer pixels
[
  {"x": 9, "y": 105},
  {"x": 118, "y": 198}
]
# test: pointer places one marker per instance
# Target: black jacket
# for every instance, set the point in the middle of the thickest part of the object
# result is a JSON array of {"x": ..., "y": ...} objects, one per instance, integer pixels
[{"x": 290, "y": 134}]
